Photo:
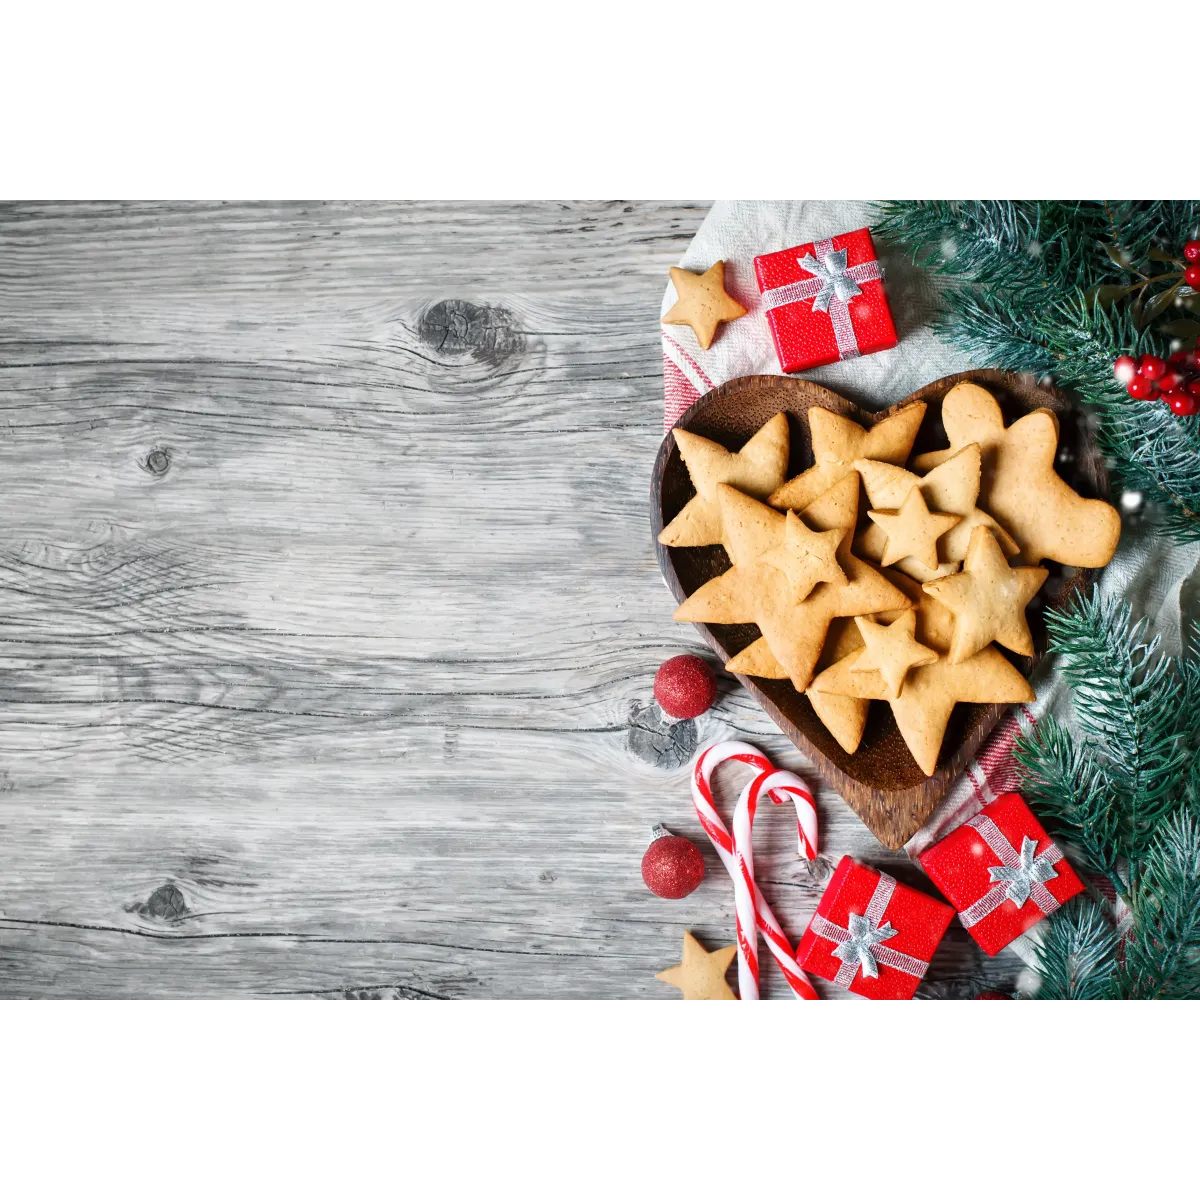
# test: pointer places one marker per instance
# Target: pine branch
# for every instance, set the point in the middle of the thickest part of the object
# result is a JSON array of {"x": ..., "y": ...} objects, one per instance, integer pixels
[
  {"x": 1024, "y": 275},
  {"x": 1127, "y": 702},
  {"x": 1077, "y": 958},
  {"x": 1072, "y": 794},
  {"x": 1162, "y": 951}
]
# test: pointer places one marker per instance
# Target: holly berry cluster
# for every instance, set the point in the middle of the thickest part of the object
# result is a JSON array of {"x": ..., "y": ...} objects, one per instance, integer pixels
[
  {"x": 1175, "y": 380},
  {"x": 1191, "y": 273}
]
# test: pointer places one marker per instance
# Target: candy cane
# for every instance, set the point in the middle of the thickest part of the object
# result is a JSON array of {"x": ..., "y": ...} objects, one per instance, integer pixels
[
  {"x": 752, "y": 912},
  {"x": 760, "y": 915}
]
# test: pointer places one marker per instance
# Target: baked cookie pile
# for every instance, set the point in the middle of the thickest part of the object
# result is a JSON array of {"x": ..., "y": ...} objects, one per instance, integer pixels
[{"x": 904, "y": 599}]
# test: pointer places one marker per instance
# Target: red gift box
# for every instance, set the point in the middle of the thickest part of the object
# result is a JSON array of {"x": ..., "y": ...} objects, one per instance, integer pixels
[
  {"x": 871, "y": 934},
  {"x": 1002, "y": 872},
  {"x": 825, "y": 301}
]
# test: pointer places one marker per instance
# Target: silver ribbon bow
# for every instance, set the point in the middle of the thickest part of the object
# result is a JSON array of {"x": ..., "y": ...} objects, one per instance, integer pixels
[
  {"x": 1022, "y": 878},
  {"x": 834, "y": 280},
  {"x": 1022, "y": 875},
  {"x": 860, "y": 947},
  {"x": 830, "y": 285}
]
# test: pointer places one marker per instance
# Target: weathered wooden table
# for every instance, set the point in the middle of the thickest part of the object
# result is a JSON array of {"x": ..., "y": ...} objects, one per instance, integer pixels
[{"x": 330, "y": 610}]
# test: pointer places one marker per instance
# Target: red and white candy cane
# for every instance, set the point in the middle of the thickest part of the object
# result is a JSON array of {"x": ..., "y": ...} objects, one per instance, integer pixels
[
  {"x": 785, "y": 786},
  {"x": 753, "y": 913}
]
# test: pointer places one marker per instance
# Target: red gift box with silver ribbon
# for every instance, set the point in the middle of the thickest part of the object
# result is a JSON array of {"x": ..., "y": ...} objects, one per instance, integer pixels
[
  {"x": 1001, "y": 872},
  {"x": 825, "y": 301},
  {"x": 871, "y": 934}
]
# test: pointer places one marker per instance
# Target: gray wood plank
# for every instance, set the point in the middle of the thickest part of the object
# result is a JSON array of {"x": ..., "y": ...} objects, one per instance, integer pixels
[{"x": 329, "y": 613}]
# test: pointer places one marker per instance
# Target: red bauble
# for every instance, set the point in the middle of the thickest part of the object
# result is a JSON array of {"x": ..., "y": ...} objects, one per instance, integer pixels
[
  {"x": 684, "y": 686},
  {"x": 1125, "y": 368},
  {"x": 1192, "y": 277},
  {"x": 1152, "y": 367},
  {"x": 672, "y": 867},
  {"x": 1182, "y": 405},
  {"x": 1141, "y": 388},
  {"x": 1191, "y": 252}
]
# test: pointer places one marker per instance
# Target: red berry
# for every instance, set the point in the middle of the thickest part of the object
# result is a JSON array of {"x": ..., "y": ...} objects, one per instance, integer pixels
[
  {"x": 1125, "y": 368},
  {"x": 1152, "y": 367},
  {"x": 1196, "y": 359},
  {"x": 1141, "y": 388},
  {"x": 672, "y": 867},
  {"x": 1170, "y": 381},
  {"x": 1191, "y": 252},
  {"x": 1181, "y": 358},
  {"x": 1182, "y": 405},
  {"x": 1193, "y": 388},
  {"x": 684, "y": 686},
  {"x": 1192, "y": 277}
]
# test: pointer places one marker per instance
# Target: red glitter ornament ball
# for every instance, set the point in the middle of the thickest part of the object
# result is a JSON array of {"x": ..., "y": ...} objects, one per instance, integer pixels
[
  {"x": 684, "y": 686},
  {"x": 672, "y": 867}
]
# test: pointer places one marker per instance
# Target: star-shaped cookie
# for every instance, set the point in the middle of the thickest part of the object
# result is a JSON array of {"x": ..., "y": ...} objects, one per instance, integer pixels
[
  {"x": 922, "y": 710},
  {"x": 752, "y": 529},
  {"x": 1020, "y": 486},
  {"x": 703, "y": 302},
  {"x": 892, "y": 650},
  {"x": 701, "y": 975},
  {"x": 952, "y": 487},
  {"x": 988, "y": 599},
  {"x": 912, "y": 530},
  {"x": 756, "y": 469},
  {"x": 806, "y": 557},
  {"x": 837, "y": 442},
  {"x": 796, "y": 632}
]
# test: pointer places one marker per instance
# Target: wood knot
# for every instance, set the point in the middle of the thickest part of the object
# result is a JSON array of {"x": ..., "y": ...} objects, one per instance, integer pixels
[
  {"x": 157, "y": 462},
  {"x": 457, "y": 327},
  {"x": 165, "y": 904},
  {"x": 656, "y": 739}
]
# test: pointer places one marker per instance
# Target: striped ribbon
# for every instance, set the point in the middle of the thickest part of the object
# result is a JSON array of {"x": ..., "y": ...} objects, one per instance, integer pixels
[
  {"x": 753, "y": 913},
  {"x": 831, "y": 286}
]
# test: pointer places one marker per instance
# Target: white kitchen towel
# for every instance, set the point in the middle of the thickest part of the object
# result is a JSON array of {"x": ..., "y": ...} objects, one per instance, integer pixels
[{"x": 1159, "y": 578}]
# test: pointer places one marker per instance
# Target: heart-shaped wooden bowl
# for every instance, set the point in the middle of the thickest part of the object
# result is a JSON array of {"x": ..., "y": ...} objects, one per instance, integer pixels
[{"x": 880, "y": 781}]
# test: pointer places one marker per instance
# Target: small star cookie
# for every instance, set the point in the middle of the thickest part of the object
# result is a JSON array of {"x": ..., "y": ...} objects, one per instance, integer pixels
[
  {"x": 806, "y": 558},
  {"x": 912, "y": 530},
  {"x": 837, "y": 442},
  {"x": 756, "y": 469},
  {"x": 952, "y": 487},
  {"x": 703, "y": 302},
  {"x": 701, "y": 975},
  {"x": 1020, "y": 486},
  {"x": 988, "y": 599},
  {"x": 751, "y": 530},
  {"x": 892, "y": 650}
]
